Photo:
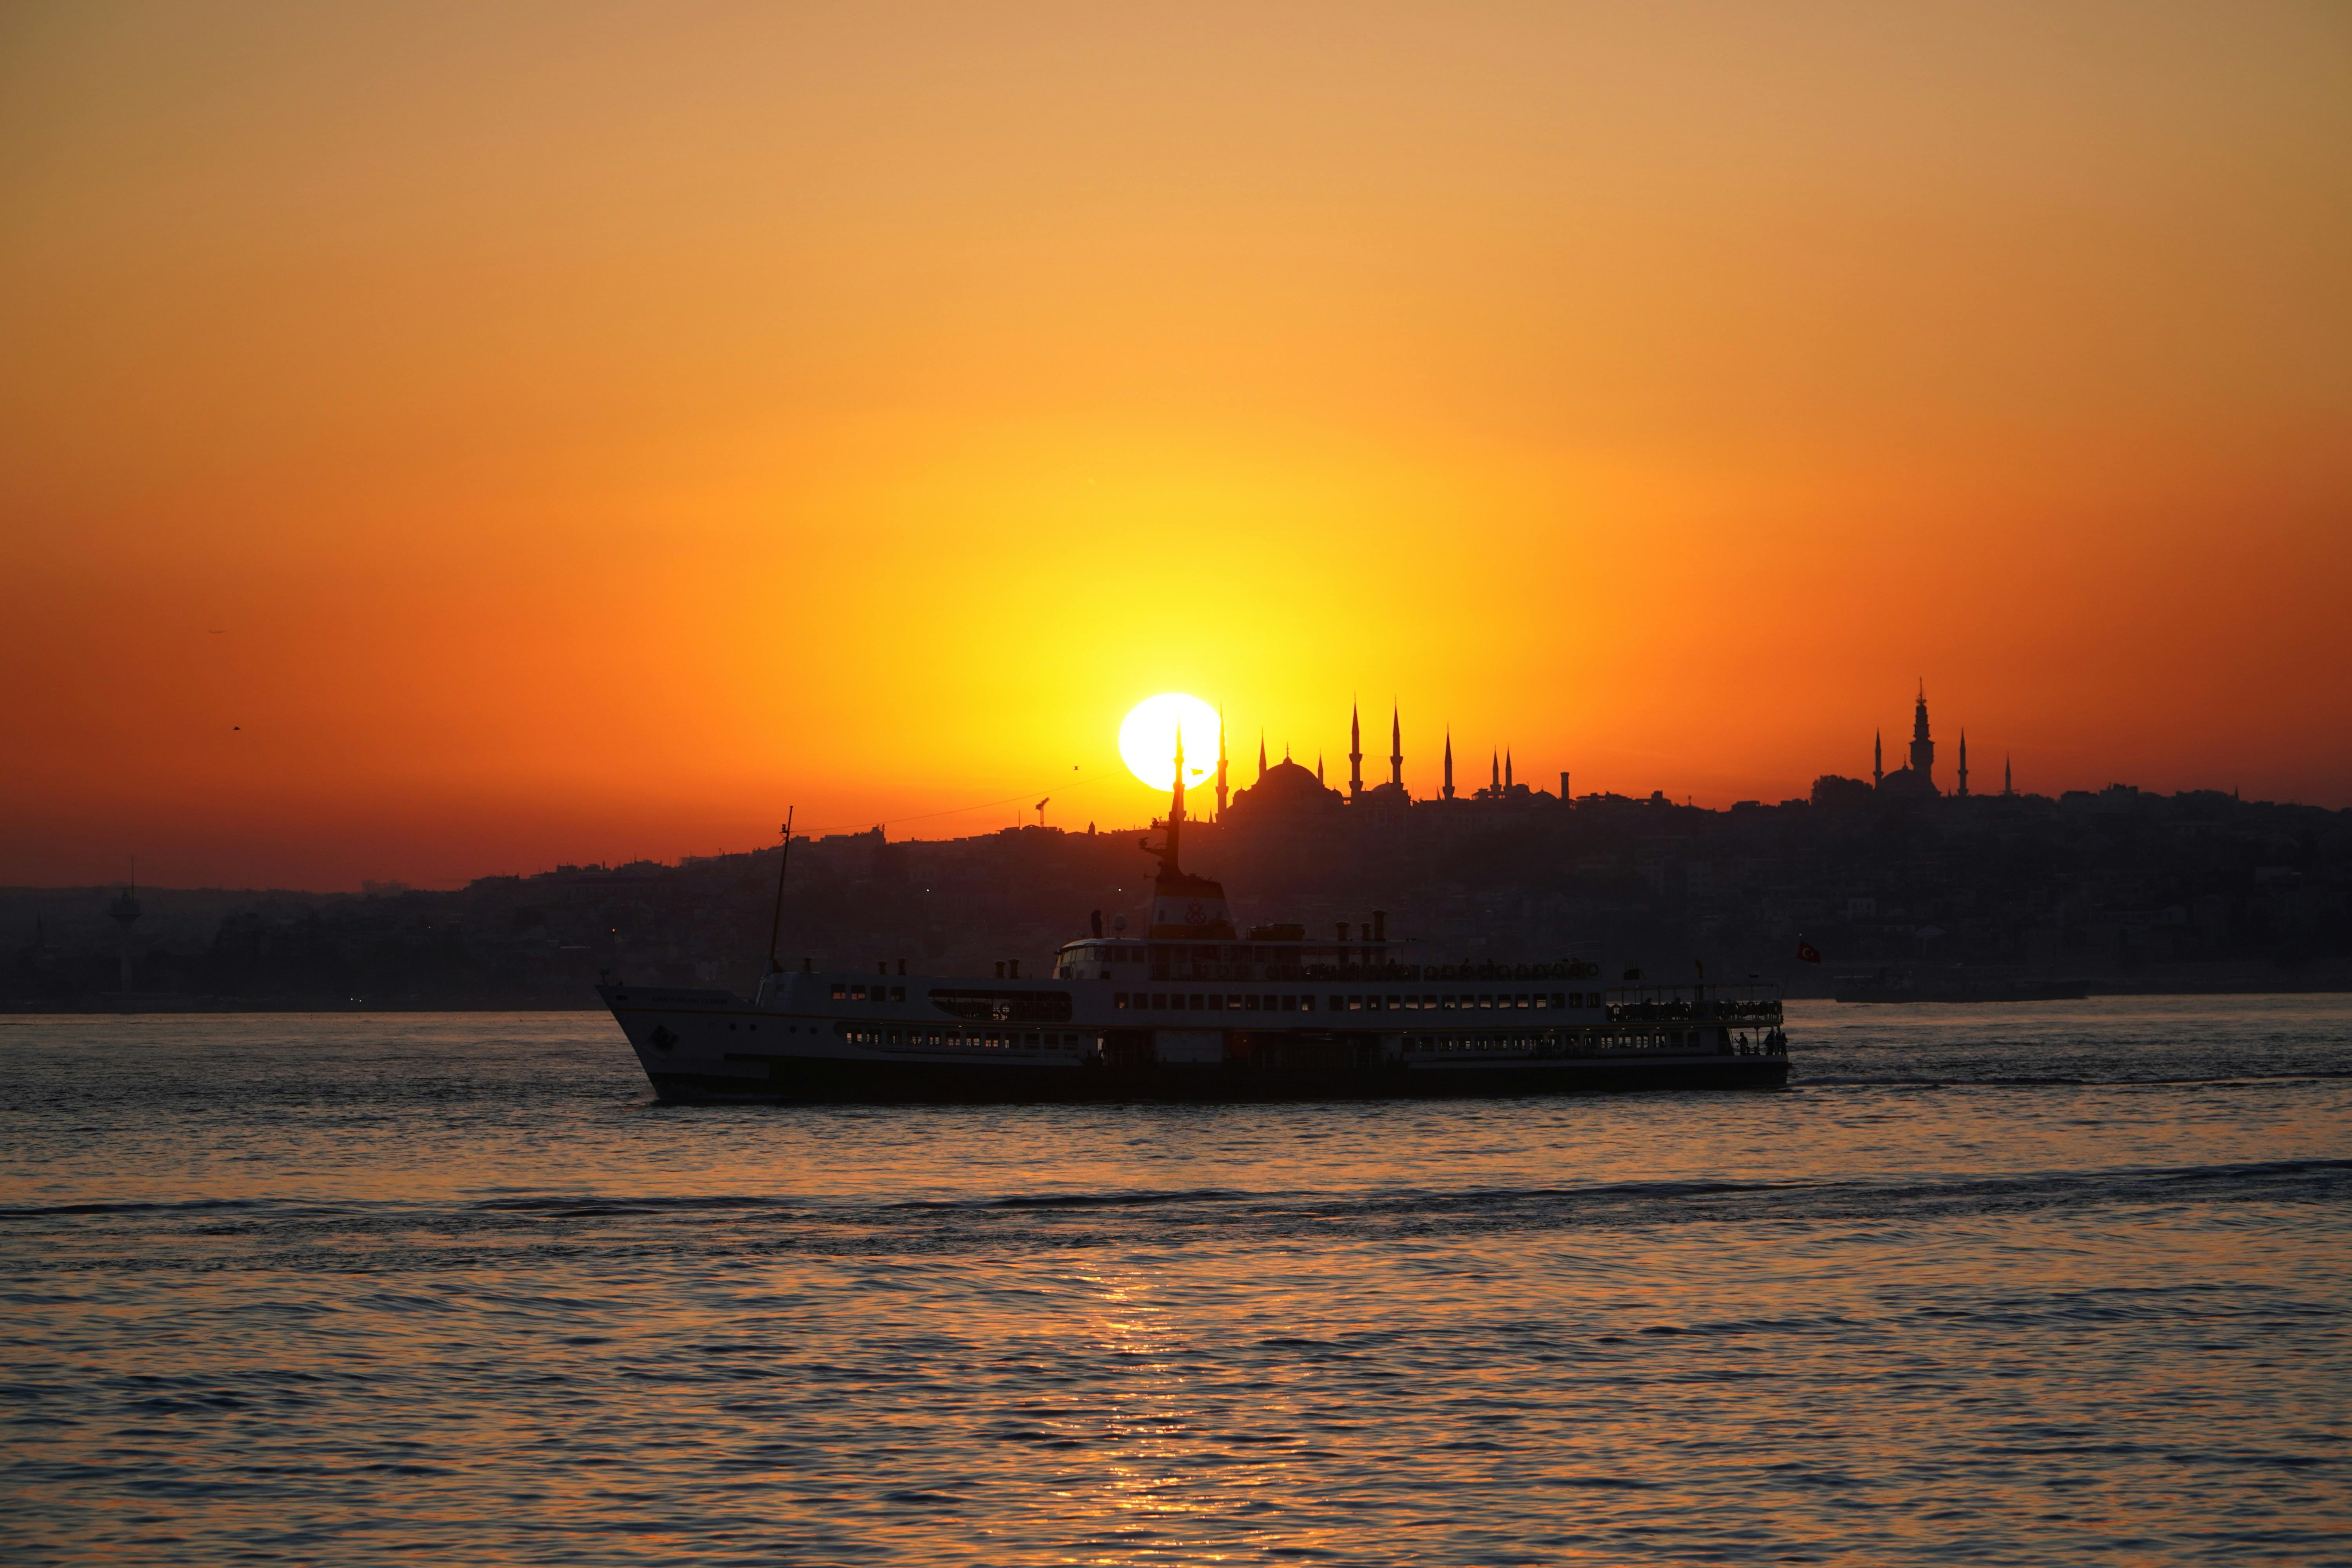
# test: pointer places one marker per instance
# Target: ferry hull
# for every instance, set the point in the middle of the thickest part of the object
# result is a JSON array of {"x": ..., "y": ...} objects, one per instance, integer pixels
[
  {"x": 788, "y": 1045},
  {"x": 814, "y": 1082}
]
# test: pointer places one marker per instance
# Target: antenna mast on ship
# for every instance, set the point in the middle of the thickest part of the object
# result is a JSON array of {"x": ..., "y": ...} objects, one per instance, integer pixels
[
  {"x": 776, "y": 926},
  {"x": 1167, "y": 848}
]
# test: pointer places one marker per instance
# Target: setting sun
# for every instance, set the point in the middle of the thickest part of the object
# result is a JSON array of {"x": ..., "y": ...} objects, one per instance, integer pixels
[{"x": 1146, "y": 740}]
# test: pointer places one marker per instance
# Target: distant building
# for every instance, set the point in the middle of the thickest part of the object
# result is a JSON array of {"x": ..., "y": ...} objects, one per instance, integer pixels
[
  {"x": 1284, "y": 796},
  {"x": 1288, "y": 797},
  {"x": 1916, "y": 779}
]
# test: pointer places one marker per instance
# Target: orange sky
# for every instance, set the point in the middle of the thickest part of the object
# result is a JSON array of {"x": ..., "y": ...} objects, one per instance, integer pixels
[{"x": 559, "y": 432}]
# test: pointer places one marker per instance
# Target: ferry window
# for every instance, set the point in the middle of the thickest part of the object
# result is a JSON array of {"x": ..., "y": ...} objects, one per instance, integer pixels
[
  {"x": 898, "y": 993},
  {"x": 1542, "y": 1000},
  {"x": 1518, "y": 1002},
  {"x": 1306, "y": 1004},
  {"x": 1486, "y": 1001},
  {"x": 1395, "y": 1003},
  {"x": 1159, "y": 1002},
  {"x": 1120, "y": 1000},
  {"x": 858, "y": 993},
  {"x": 1558, "y": 1000},
  {"x": 893, "y": 1037},
  {"x": 1199, "y": 1001},
  {"x": 1249, "y": 1004},
  {"x": 840, "y": 993},
  {"x": 1429, "y": 1003}
]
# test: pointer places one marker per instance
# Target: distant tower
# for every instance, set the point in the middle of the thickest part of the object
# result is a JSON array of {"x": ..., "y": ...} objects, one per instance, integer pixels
[
  {"x": 1355, "y": 754},
  {"x": 1563, "y": 785},
  {"x": 1449, "y": 762},
  {"x": 1923, "y": 750},
  {"x": 1261, "y": 757},
  {"x": 1494, "y": 773},
  {"x": 1396, "y": 748},
  {"x": 1964, "y": 762},
  {"x": 1220, "y": 764},
  {"x": 124, "y": 912},
  {"x": 1319, "y": 767},
  {"x": 2005, "y": 785},
  {"x": 1877, "y": 758},
  {"x": 1506, "y": 767}
]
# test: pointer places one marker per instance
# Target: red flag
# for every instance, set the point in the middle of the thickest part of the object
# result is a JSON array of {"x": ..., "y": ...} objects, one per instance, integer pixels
[{"x": 1807, "y": 952}]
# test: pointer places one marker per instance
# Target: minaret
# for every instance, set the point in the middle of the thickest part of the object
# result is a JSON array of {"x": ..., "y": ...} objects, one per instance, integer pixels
[
  {"x": 1877, "y": 757},
  {"x": 1964, "y": 764},
  {"x": 1220, "y": 764},
  {"x": 1449, "y": 762},
  {"x": 1396, "y": 748},
  {"x": 2005, "y": 785},
  {"x": 1261, "y": 757},
  {"x": 1355, "y": 754},
  {"x": 1319, "y": 767},
  {"x": 1923, "y": 750},
  {"x": 1507, "y": 768},
  {"x": 1495, "y": 773}
]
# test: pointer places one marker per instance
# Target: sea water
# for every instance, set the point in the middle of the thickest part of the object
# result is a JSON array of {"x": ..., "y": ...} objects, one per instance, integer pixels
[{"x": 1986, "y": 1284}]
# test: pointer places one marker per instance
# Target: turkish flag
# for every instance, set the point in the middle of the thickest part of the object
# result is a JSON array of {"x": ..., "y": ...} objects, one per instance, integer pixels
[{"x": 1807, "y": 952}]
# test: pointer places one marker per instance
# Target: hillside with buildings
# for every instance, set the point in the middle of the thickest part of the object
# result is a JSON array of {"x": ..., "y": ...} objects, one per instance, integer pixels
[
  {"x": 2121, "y": 888},
  {"x": 1891, "y": 881}
]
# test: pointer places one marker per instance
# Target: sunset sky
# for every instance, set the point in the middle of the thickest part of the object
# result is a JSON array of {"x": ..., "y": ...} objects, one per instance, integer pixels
[{"x": 446, "y": 440}]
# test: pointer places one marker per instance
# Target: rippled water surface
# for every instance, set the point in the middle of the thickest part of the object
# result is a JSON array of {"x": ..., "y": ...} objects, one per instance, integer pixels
[{"x": 2031, "y": 1285}]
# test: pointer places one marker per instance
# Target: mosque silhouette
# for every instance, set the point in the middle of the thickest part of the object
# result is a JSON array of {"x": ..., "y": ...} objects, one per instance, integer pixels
[{"x": 1287, "y": 796}]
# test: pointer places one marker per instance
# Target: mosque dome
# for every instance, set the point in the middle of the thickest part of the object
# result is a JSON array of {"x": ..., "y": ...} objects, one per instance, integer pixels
[{"x": 1285, "y": 792}]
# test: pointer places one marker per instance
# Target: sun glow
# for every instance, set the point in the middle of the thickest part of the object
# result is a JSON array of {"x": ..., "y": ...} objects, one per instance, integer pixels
[{"x": 1146, "y": 740}]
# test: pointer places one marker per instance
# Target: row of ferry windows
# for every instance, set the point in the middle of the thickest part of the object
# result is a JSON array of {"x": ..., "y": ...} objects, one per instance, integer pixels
[
  {"x": 1250, "y": 1001},
  {"x": 864, "y": 1035},
  {"x": 1051, "y": 1040},
  {"x": 1669, "y": 1040},
  {"x": 1208, "y": 953}
]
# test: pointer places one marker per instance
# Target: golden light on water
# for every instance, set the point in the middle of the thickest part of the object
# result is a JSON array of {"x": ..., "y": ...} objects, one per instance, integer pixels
[{"x": 1146, "y": 740}]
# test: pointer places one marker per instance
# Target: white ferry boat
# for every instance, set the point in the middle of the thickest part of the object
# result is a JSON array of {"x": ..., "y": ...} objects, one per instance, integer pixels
[{"x": 1194, "y": 1010}]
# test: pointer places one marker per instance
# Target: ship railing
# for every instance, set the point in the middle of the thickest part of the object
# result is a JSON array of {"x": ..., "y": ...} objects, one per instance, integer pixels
[
  {"x": 1369, "y": 974},
  {"x": 1756, "y": 1002}
]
